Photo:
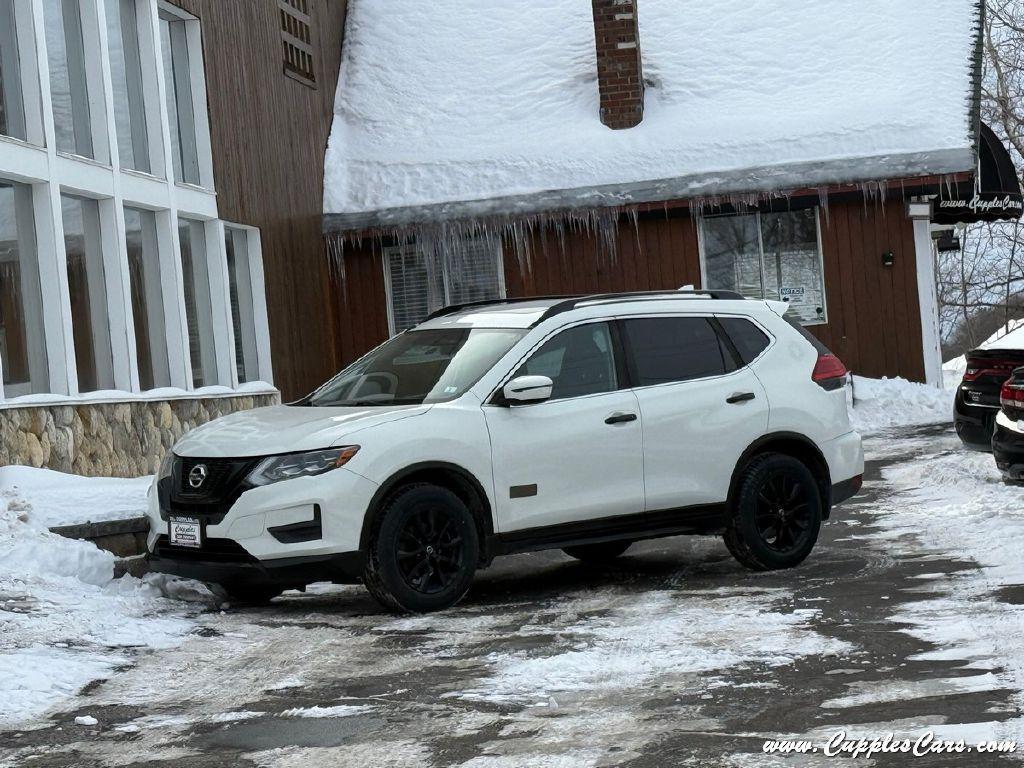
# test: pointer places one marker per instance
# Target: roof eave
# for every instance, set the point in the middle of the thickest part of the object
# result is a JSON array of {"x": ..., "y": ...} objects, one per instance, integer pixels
[{"x": 756, "y": 181}]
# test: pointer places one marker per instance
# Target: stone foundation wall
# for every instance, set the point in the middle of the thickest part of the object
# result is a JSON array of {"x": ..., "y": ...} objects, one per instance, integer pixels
[{"x": 127, "y": 439}]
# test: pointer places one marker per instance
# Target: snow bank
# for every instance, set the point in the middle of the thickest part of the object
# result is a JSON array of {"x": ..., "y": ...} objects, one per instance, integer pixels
[
  {"x": 64, "y": 620},
  {"x": 451, "y": 101},
  {"x": 885, "y": 403},
  {"x": 55, "y": 498}
]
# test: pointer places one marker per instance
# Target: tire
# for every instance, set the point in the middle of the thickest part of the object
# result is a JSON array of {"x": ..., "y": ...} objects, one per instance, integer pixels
[
  {"x": 596, "y": 554},
  {"x": 776, "y": 514},
  {"x": 423, "y": 551},
  {"x": 243, "y": 595}
]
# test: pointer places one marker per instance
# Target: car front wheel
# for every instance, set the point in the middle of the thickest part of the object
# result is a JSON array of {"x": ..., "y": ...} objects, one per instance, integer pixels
[
  {"x": 776, "y": 514},
  {"x": 423, "y": 551}
]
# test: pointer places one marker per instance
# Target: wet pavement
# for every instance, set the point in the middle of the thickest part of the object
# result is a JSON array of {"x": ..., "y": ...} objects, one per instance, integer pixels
[{"x": 673, "y": 655}]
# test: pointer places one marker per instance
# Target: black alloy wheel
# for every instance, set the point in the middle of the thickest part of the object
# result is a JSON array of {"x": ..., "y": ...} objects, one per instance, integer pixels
[
  {"x": 430, "y": 550},
  {"x": 776, "y": 513},
  {"x": 423, "y": 551},
  {"x": 783, "y": 514}
]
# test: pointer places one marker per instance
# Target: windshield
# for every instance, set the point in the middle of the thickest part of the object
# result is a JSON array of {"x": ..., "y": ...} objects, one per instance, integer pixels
[{"x": 418, "y": 367}]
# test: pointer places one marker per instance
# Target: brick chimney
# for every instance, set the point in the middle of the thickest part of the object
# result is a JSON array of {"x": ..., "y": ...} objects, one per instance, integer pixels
[{"x": 619, "y": 68}]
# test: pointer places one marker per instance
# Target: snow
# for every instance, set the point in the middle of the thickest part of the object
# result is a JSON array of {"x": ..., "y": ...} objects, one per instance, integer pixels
[
  {"x": 64, "y": 621},
  {"x": 86, "y": 720},
  {"x": 54, "y": 498},
  {"x": 448, "y": 101},
  {"x": 879, "y": 404},
  {"x": 151, "y": 395},
  {"x": 340, "y": 710},
  {"x": 952, "y": 501},
  {"x": 653, "y": 640}
]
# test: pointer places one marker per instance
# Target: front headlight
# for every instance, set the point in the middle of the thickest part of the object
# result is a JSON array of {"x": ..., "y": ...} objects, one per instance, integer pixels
[{"x": 274, "y": 469}]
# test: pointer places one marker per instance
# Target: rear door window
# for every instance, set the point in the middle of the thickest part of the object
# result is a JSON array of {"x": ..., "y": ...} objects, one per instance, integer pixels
[
  {"x": 672, "y": 349},
  {"x": 749, "y": 340}
]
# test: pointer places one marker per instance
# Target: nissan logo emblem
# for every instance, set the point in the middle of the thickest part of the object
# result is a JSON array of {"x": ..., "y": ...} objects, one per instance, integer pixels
[{"x": 198, "y": 475}]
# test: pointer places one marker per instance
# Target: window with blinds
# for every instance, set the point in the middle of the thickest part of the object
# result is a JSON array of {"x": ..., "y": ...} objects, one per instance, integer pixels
[
  {"x": 297, "y": 40},
  {"x": 419, "y": 283}
]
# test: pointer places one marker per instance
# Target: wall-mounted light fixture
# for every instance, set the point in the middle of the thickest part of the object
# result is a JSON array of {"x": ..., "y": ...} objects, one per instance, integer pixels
[
  {"x": 919, "y": 209},
  {"x": 888, "y": 259}
]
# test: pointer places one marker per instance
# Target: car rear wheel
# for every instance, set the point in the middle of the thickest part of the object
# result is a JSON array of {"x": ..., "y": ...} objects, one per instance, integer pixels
[
  {"x": 423, "y": 551},
  {"x": 776, "y": 515},
  {"x": 598, "y": 553}
]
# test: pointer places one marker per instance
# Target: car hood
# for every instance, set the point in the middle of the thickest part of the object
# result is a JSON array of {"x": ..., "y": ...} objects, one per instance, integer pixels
[{"x": 285, "y": 429}]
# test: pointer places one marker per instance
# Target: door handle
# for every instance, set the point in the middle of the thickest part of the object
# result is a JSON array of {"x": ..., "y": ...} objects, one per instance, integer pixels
[
  {"x": 620, "y": 418},
  {"x": 741, "y": 397}
]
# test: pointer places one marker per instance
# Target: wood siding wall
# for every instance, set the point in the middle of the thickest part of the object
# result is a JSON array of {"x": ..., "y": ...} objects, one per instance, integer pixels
[
  {"x": 874, "y": 321},
  {"x": 269, "y": 134}
]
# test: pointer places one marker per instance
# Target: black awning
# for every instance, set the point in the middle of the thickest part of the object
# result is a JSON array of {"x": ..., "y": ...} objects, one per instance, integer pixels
[{"x": 994, "y": 195}]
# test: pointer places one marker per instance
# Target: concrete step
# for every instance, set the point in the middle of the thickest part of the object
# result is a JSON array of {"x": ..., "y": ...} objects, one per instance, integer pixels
[{"x": 125, "y": 539}]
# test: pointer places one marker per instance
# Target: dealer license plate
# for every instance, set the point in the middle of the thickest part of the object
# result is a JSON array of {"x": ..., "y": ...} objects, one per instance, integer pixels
[{"x": 186, "y": 532}]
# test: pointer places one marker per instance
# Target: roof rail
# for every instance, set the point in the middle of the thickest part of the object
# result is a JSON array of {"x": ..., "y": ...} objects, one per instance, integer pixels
[
  {"x": 573, "y": 302},
  {"x": 453, "y": 308},
  {"x": 566, "y": 303}
]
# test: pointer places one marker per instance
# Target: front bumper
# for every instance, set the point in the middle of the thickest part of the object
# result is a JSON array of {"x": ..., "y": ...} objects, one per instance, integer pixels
[
  {"x": 289, "y": 533},
  {"x": 284, "y": 573}
]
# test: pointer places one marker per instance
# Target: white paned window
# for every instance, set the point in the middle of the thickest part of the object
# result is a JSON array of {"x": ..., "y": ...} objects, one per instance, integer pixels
[
  {"x": 22, "y": 351},
  {"x": 198, "y": 304},
  {"x": 768, "y": 256},
  {"x": 70, "y": 84},
  {"x": 83, "y": 248},
  {"x": 174, "y": 47},
  {"x": 127, "y": 81},
  {"x": 240, "y": 283},
  {"x": 116, "y": 272},
  {"x": 147, "y": 298},
  {"x": 418, "y": 284},
  {"x": 12, "y": 100}
]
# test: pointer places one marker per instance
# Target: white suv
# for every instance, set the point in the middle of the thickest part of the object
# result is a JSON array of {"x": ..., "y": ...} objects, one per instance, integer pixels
[{"x": 584, "y": 424}]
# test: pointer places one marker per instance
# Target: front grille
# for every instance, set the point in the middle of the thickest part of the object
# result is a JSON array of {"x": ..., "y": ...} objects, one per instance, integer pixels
[
  {"x": 213, "y": 550},
  {"x": 210, "y": 502},
  {"x": 221, "y": 475}
]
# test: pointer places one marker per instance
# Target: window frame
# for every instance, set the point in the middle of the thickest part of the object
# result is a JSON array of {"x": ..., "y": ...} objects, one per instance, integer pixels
[
  {"x": 622, "y": 373},
  {"x": 403, "y": 249},
  {"x": 772, "y": 338},
  {"x": 258, "y": 290},
  {"x": 723, "y": 339},
  {"x": 702, "y": 239},
  {"x": 192, "y": 45}
]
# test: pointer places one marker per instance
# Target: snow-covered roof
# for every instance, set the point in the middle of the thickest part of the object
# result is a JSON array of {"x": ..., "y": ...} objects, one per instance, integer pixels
[{"x": 451, "y": 108}]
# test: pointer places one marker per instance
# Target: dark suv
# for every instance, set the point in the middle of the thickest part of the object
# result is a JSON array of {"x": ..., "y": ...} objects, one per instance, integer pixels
[{"x": 977, "y": 397}]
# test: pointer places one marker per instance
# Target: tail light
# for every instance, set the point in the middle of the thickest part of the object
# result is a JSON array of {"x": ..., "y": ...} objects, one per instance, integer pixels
[
  {"x": 1011, "y": 396},
  {"x": 829, "y": 372},
  {"x": 980, "y": 366}
]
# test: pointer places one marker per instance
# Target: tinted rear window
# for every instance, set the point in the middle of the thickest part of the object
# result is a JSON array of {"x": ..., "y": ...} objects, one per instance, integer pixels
[
  {"x": 667, "y": 349},
  {"x": 749, "y": 340}
]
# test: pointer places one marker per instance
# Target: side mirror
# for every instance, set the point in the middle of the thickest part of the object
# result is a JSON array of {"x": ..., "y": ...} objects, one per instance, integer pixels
[{"x": 528, "y": 389}]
